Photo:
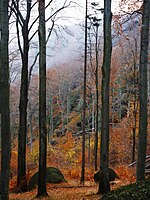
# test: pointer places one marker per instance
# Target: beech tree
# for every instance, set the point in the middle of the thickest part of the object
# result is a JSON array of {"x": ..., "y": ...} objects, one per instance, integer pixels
[
  {"x": 4, "y": 101},
  {"x": 24, "y": 51},
  {"x": 42, "y": 101},
  {"x": 94, "y": 35},
  {"x": 143, "y": 119},
  {"x": 24, "y": 26},
  {"x": 104, "y": 186},
  {"x": 84, "y": 103}
]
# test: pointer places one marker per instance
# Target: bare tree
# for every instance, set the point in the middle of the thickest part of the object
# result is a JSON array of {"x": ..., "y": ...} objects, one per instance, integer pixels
[
  {"x": 25, "y": 26},
  {"x": 24, "y": 51},
  {"x": 104, "y": 186},
  {"x": 4, "y": 101},
  {"x": 143, "y": 91},
  {"x": 84, "y": 103},
  {"x": 42, "y": 102}
]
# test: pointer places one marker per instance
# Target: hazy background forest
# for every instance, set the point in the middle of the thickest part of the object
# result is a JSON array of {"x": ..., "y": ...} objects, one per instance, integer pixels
[{"x": 65, "y": 90}]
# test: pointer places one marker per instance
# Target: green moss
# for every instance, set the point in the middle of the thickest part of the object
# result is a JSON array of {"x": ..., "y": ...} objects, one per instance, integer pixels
[
  {"x": 53, "y": 175},
  {"x": 136, "y": 191}
]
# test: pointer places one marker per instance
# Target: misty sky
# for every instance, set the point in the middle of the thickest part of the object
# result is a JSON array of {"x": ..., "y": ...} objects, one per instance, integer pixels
[
  {"x": 76, "y": 12},
  {"x": 60, "y": 49}
]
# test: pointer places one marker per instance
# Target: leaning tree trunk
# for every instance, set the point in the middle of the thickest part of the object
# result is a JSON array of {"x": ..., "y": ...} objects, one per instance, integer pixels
[
  {"x": 4, "y": 96},
  {"x": 42, "y": 102},
  {"x": 143, "y": 91},
  {"x": 104, "y": 185}
]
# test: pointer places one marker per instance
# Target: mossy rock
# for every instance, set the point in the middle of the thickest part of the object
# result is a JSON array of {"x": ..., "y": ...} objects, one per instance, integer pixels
[
  {"x": 53, "y": 175},
  {"x": 112, "y": 175},
  {"x": 135, "y": 191}
]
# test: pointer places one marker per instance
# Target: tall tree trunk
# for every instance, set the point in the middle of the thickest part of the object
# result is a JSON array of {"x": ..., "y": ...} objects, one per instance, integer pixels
[
  {"x": 143, "y": 91},
  {"x": 68, "y": 110},
  {"x": 135, "y": 104},
  {"x": 104, "y": 185},
  {"x": 52, "y": 123},
  {"x": 50, "y": 133},
  {"x": 63, "y": 117},
  {"x": 31, "y": 130},
  {"x": 89, "y": 137},
  {"x": 97, "y": 98},
  {"x": 4, "y": 95},
  {"x": 84, "y": 104},
  {"x": 42, "y": 102},
  {"x": 93, "y": 113},
  {"x": 61, "y": 90},
  {"x": 22, "y": 134},
  {"x": 120, "y": 102}
]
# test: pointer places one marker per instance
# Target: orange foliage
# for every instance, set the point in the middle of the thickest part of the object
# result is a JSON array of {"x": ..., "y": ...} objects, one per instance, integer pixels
[
  {"x": 14, "y": 159},
  {"x": 74, "y": 119},
  {"x": 74, "y": 174},
  {"x": 126, "y": 174},
  {"x": 12, "y": 183},
  {"x": 120, "y": 149}
]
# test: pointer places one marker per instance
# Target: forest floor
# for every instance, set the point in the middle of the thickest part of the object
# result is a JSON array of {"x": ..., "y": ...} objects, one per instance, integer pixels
[
  {"x": 63, "y": 191},
  {"x": 66, "y": 154},
  {"x": 72, "y": 190}
]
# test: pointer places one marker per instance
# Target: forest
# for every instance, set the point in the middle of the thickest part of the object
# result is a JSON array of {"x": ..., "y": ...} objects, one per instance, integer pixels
[{"x": 75, "y": 128}]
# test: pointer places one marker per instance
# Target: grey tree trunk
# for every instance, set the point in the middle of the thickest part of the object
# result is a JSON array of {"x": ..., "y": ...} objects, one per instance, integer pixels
[
  {"x": 135, "y": 104},
  {"x": 97, "y": 100},
  {"x": 89, "y": 137},
  {"x": 31, "y": 129},
  {"x": 68, "y": 110},
  {"x": 51, "y": 128},
  {"x": 4, "y": 96},
  {"x": 84, "y": 104},
  {"x": 24, "y": 51},
  {"x": 142, "y": 143},
  {"x": 104, "y": 186},
  {"x": 93, "y": 114},
  {"x": 42, "y": 102}
]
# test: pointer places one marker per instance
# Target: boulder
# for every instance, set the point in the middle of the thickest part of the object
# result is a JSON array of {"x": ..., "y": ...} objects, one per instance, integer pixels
[
  {"x": 112, "y": 175},
  {"x": 53, "y": 175}
]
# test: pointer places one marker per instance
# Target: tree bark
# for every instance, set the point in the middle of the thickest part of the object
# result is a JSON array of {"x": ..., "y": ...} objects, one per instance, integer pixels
[
  {"x": 42, "y": 102},
  {"x": 104, "y": 186},
  {"x": 22, "y": 134},
  {"x": 135, "y": 104},
  {"x": 4, "y": 95},
  {"x": 142, "y": 143},
  {"x": 97, "y": 100},
  {"x": 84, "y": 104}
]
